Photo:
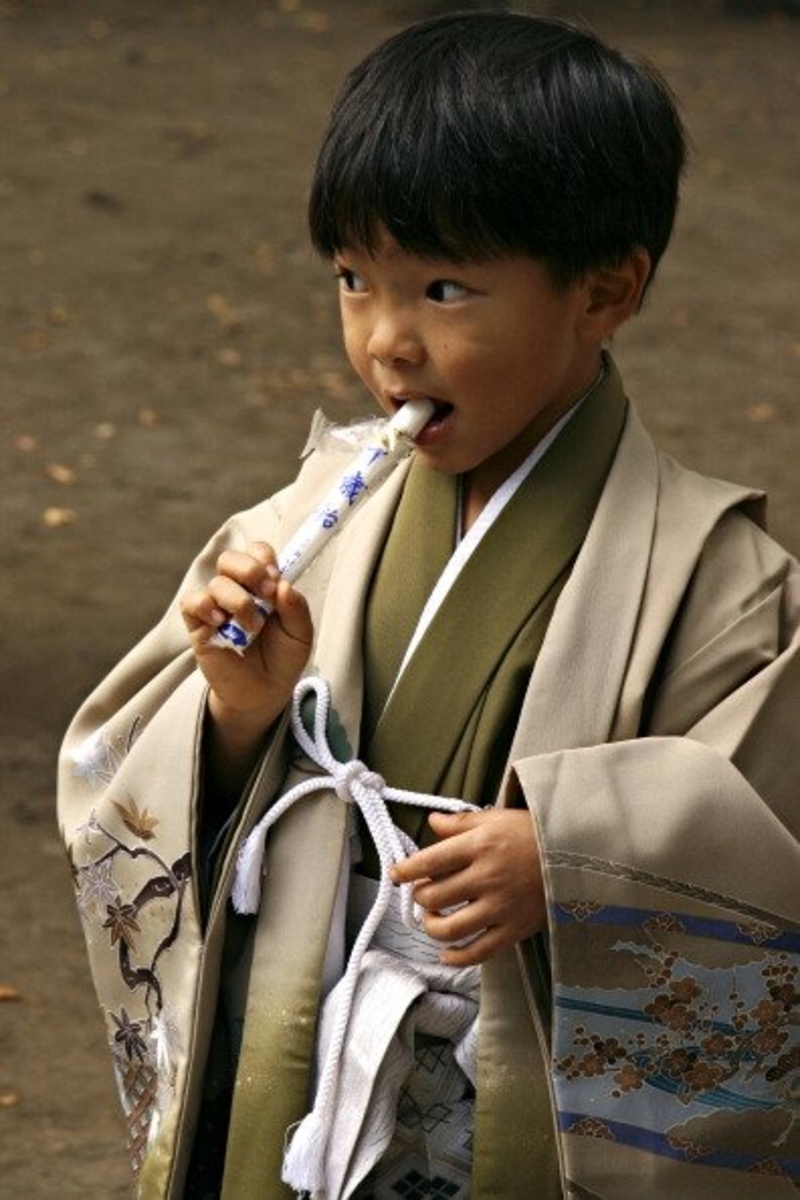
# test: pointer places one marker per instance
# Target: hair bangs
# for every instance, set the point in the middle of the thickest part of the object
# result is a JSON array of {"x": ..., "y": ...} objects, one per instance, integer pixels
[
  {"x": 359, "y": 210},
  {"x": 396, "y": 176}
]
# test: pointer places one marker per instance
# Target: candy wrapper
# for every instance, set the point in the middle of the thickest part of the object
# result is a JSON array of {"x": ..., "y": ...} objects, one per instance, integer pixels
[{"x": 383, "y": 446}]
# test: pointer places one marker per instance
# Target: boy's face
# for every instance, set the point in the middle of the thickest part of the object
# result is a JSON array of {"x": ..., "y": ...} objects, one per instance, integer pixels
[{"x": 494, "y": 344}]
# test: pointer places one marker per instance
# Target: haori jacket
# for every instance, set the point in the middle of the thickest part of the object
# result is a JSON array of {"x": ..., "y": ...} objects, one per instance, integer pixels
[{"x": 643, "y": 1047}]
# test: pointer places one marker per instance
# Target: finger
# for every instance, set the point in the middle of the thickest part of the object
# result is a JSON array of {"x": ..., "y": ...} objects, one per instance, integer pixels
[
  {"x": 446, "y": 892},
  {"x": 199, "y": 611},
  {"x": 477, "y": 951},
  {"x": 443, "y": 858},
  {"x": 447, "y": 825},
  {"x": 255, "y": 571},
  {"x": 476, "y": 944},
  {"x": 292, "y": 611},
  {"x": 466, "y": 921},
  {"x": 236, "y": 601},
  {"x": 263, "y": 552}
]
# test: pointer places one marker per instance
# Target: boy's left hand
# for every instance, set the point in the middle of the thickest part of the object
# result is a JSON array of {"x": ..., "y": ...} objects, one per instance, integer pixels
[{"x": 488, "y": 862}]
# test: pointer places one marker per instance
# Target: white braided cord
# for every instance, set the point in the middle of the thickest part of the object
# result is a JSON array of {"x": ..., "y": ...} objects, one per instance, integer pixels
[{"x": 353, "y": 783}]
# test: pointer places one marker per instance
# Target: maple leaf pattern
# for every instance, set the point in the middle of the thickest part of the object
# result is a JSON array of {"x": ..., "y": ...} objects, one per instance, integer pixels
[
  {"x": 136, "y": 821},
  {"x": 96, "y": 886},
  {"x": 129, "y": 1035},
  {"x": 122, "y": 923}
]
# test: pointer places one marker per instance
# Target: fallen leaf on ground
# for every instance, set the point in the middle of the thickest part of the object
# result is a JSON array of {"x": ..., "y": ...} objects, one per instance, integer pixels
[
  {"x": 33, "y": 340},
  {"x": 9, "y": 1099},
  {"x": 762, "y": 412},
  {"x": 218, "y": 304},
  {"x": 57, "y": 314},
  {"x": 59, "y": 473},
  {"x": 9, "y": 993},
  {"x": 224, "y": 311},
  {"x": 149, "y": 418},
  {"x": 54, "y": 518}
]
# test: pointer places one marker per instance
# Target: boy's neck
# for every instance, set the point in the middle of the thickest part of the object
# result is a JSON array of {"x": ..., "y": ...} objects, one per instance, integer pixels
[{"x": 477, "y": 487}]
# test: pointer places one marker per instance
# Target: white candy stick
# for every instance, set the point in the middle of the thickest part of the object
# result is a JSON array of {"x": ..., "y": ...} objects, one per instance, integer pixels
[{"x": 364, "y": 473}]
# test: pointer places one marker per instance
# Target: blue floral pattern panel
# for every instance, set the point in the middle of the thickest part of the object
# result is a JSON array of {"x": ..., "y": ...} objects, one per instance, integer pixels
[{"x": 675, "y": 1030}]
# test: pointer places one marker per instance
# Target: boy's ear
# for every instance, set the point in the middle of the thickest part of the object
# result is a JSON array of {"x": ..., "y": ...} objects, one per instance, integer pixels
[{"x": 615, "y": 293}]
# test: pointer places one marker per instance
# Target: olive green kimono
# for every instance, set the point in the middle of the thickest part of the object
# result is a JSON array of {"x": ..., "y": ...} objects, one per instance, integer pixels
[{"x": 643, "y": 1046}]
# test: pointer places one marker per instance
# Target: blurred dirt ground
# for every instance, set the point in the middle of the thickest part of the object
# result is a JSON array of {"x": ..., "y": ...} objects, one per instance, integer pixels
[{"x": 167, "y": 335}]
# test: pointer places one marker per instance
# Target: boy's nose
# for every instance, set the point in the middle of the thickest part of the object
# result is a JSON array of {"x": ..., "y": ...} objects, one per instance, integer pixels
[{"x": 393, "y": 340}]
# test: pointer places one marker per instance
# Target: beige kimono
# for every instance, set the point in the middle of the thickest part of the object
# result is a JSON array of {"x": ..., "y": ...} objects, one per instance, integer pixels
[{"x": 644, "y": 1047}]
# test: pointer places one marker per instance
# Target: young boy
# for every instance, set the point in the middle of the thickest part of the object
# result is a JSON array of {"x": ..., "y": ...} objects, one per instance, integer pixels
[{"x": 539, "y": 614}]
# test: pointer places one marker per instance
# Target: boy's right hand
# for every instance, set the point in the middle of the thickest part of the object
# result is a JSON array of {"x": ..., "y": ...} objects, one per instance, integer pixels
[{"x": 255, "y": 687}]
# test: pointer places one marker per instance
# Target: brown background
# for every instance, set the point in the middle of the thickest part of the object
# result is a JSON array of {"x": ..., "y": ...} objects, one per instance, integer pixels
[{"x": 167, "y": 335}]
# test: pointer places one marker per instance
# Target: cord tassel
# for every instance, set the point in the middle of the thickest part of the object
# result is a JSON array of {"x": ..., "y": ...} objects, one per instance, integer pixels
[{"x": 304, "y": 1160}]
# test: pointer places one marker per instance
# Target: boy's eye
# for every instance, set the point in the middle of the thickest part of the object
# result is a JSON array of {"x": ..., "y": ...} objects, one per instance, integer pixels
[
  {"x": 349, "y": 281},
  {"x": 443, "y": 290}
]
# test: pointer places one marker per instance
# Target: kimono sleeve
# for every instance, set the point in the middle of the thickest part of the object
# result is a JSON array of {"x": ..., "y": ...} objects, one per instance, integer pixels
[
  {"x": 129, "y": 779},
  {"x": 671, "y": 867}
]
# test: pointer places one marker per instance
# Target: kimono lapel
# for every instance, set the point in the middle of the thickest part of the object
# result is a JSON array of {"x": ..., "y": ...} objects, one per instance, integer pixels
[
  {"x": 599, "y": 652},
  {"x": 417, "y": 550},
  {"x": 514, "y": 570}
]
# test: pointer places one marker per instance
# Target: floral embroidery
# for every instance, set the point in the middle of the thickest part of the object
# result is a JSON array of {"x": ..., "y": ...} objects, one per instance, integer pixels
[
  {"x": 121, "y": 921},
  {"x": 96, "y": 887},
  {"x": 682, "y": 1050},
  {"x": 129, "y": 1036},
  {"x": 664, "y": 923},
  {"x": 589, "y": 1127},
  {"x": 692, "y": 1150},
  {"x": 139, "y": 823},
  {"x": 768, "y": 1166},
  {"x": 98, "y": 757},
  {"x": 120, "y": 878},
  {"x": 689, "y": 1045},
  {"x": 758, "y": 931},
  {"x": 581, "y": 910}
]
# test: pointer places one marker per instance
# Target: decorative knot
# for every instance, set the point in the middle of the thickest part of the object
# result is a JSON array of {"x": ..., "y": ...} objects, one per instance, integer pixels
[{"x": 353, "y": 778}]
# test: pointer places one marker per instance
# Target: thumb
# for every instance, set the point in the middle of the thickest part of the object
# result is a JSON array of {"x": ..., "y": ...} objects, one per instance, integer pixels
[{"x": 292, "y": 612}]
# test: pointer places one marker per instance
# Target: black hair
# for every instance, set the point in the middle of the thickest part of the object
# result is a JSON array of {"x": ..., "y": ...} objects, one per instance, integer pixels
[{"x": 477, "y": 135}]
